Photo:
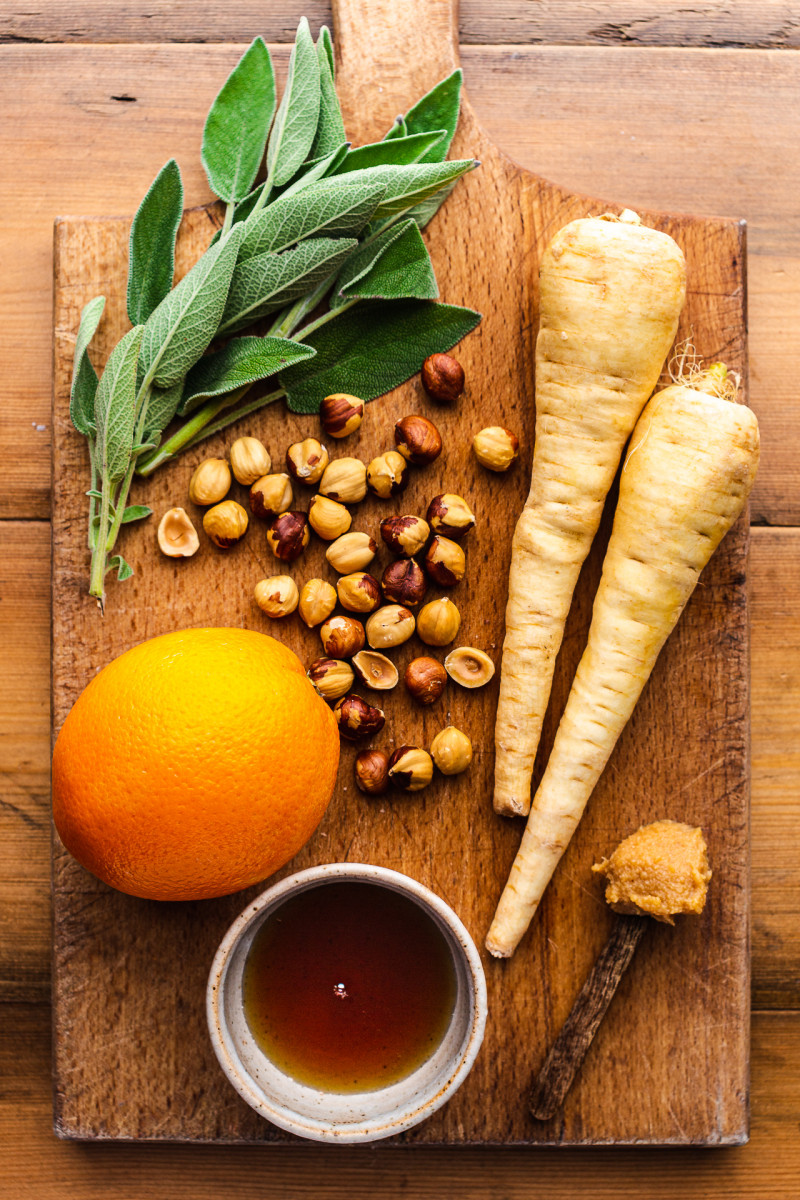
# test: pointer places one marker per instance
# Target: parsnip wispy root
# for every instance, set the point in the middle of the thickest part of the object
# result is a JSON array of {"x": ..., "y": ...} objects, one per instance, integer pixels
[
  {"x": 611, "y": 291},
  {"x": 691, "y": 465}
]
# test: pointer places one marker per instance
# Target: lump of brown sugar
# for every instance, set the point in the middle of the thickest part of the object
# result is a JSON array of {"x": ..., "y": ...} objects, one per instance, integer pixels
[{"x": 661, "y": 870}]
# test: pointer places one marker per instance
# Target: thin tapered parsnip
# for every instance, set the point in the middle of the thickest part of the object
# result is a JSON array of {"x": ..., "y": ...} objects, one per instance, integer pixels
[
  {"x": 689, "y": 471},
  {"x": 611, "y": 291}
]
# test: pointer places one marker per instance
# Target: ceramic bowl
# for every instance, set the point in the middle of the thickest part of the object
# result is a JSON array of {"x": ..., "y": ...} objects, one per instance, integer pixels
[{"x": 325, "y": 1116}]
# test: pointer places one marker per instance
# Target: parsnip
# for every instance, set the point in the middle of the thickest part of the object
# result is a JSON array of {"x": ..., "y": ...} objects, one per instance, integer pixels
[
  {"x": 611, "y": 291},
  {"x": 688, "y": 474}
]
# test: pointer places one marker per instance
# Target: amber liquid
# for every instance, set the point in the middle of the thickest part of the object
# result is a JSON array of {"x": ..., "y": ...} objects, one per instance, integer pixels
[{"x": 349, "y": 987}]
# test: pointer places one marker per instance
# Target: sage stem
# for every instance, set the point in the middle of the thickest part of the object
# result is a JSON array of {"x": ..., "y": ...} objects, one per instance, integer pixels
[{"x": 188, "y": 432}]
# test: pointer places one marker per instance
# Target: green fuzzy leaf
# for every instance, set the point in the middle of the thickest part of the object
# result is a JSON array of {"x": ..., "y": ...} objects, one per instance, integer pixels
[
  {"x": 400, "y": 268},
  {"x": 115, "y": 406},
  {"x": 438, "y": 109},
  {"x": 135, "y": 512},
  {"x": 151, "y": 253},
  {"x": 333, "y": 207},
  {"x": 398, "y": 130},
  {"x": 407, "y": 186},
  {"x": 370, "y": 349},
  {"x": 162, "y": 407},
  {"x": 316, "y": 169},
  {"x": 262, "y": 284},
  {"x": 296, "y": 121},
  {"x": 243, "y": 361},
  {"x": 124, "y": 570},
  {"x": 235, "y": 134},
  {"x": 84, "y": 376},
  {"x": 399, "y": 151},
  {"x": 186, "y": 320},
  {"x": 423, "y": 213},
  {"x": 330, "y": 128},
  {"x": 241, "y": 212},
  {"x": 326, "y": 42}
]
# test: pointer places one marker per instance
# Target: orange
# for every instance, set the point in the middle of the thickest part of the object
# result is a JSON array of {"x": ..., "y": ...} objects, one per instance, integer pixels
[{"x": 194, "y": 765}]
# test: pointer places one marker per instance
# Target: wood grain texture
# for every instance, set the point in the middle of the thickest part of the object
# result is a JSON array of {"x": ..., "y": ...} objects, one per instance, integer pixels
[{"x": 131, "y": 1055}]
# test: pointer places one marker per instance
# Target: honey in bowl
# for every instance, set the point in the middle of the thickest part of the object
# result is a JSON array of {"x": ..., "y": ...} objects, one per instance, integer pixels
[{"x": 349, "y": 987}]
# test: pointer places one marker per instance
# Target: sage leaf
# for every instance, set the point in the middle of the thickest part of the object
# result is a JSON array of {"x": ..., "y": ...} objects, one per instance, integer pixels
[
  {"x": 427, "y": 210},
  {"x": 235, "y": 133},
  {"x": 296, "y": 121},
  {"x": 115, "y": 406},
  {"x": 398, "y": 130},
  {"x": 84, "y": 376},
  {"x": 396, "y": 266},
  {"x": 186, "y": 320},
  {"x": 161, "y": 408},
  {"x": 438, "y": 109},
  {"x": 407, "y": 186},
  {"x": 399, "y": 151},
  {"x": 124, "y": 570},
  {"x": 268, "y": 281},
  {"x": 241, "y": 212},
  {"x": 310, "y": 172},
  {"x": 151, "y": 251},
  {"x": 333, "y": 207},
  {"x": 330, "y": 126},
  {"x": 135, "y": 512},
  {"x": 243, "y": 361},
  {"x": 371, "y": 348},
  {"x": 326, "y": 42}
]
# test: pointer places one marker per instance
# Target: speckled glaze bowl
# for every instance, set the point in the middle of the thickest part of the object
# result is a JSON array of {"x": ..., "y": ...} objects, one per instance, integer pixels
[{"x": 326, "y": 1116}]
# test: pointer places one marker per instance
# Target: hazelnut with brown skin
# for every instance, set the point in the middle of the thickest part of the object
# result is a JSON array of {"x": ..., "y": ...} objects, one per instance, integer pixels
[
  {"x": 387, "y": 475},
  {"x": 450, "y": 515},
  {"x": 210, "y": 482},
  {"x": 496, "y": 448},
  {"x": 306, "y": 461},
  {"x": 390, "y": 626},
  {"x": 372, "y": 772},
  {"x": 341, "y": 414},
  {"x": 278, "y": 596},
  {"x": 270, "y": 496},
  {"x": 418, "y": 440},
  {"x": 317, "y": 601},
  {"x": 445, "y": 562},
  {"x": 357, "y": 719},
  {"x": 405, "y": 536},
  {"x": 342, "y": 637},
  {"x": 438, "y": 622},
  {"x": 331, "y": 677},
  {"x": 404, "y": 582},
  {"x": 359, "y": 592},
  {"x": 225, "y": 523},
  {"x": 329, "y": 519},
  {"x": 287, "y": 535},
  {"x": 425, "y": 679},
  {"x": 351, "y": 552},
  {"x": 443, "y": 378},
  {"x": 410, "y": 768},
  {"x": 345, "y": 480}
]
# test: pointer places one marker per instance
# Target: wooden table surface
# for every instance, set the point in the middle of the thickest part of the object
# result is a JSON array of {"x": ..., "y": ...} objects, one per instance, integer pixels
[{"x": 691, "y": 108}]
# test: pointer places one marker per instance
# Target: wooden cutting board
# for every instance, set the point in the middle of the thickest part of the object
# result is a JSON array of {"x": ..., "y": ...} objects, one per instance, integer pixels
[{"x": 670, "y": 1066}]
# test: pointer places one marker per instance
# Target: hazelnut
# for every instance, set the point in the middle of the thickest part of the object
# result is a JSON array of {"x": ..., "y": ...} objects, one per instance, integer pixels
[
  {"x": 390, "y": 626},
  {"x": 418, "y": 440},
  {"x": 410, "y": 768},
  {"x": 342, "y": 637},
  {"x": 317, "y": 601},
  {"x": 405, "y": 536},
  {"x": 450, "y": 515},
  {"x": 438, "y": 622},
  {"x": 372, "y": 772},
  {"x": 375, "y": 670},
  {"x": 445, "y": 562},
  {"x": 469, "y": 667},
  {"x": 287, "y": 535},
  {"x": 270, "y": 496},
  {"x": 443, "y": 378},
  {"x": 341, "y": 414},
  {"x": 278, "y": 596},
  {"x": 425, "y": 679},
  {"x": 351, "y": 552},
  {"x": 249, "y": 460},
  {"x": 331, "y": 677},
  {"x": 210, "y": 482},
  {"x": 345, "y": 480},
  {"x": 177, "y": 536},
  {"x": 451, "y": 750},
  {"x": 496, "y": 448},
  {"x": 328, "y": 518},
  {"x": 359, "y": 592},
  {"x": 404, "y": 582},
  {"x": 387, "y": 475},
  {"x": 225, "y": 523},
  {"x": 306, "y": 461},
  {"x": 357, "y": 719}
]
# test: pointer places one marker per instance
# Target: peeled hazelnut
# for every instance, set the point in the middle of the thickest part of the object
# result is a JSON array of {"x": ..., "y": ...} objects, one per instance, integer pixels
[
  {"x": 359, "y": 592},
  {"x": 451, "y": 750},
  {"x": 450, "y": 515},
  {"x": 331, "y": 677},
  {"x": 287, "y": 535},
  {"x": 278, "y": 596},
  {"x": 225, "y": 523},
  {"x": 317, "y": 601},
  {"x": 249, "y": 460},
  {"x": 342, "y": 637},
  {"x": 443, "y": 378},
  {"x": 328, "y": 518},
  {"x": 372, "y": 772},
  {"x": 404, "y": 582},
  {"x": 438, "y": 622},
  {"x": 351, "y": 552},
  {"x": 270, "y": 496},
  {"x": 496, "y": 448},
  {"x": 210, "y": 482},
  {"x": 418, "y": 440},
  {"x": 341, "y": 414},
  {"x": 405, "y": 536},
  {"x": 390, "y": 626},
  {"x": 177, "y": 536},
  {"x": 345, "y": 480},
  {"x": 306, "y": 461},
  {"x": 357, "y": 719},
  {"x": 411, "y": 768},
  {"x": 445, "y": 562},
  {"x": 375, "y": 670},
  {"x": 387, "y": 475},
  {"x": 425, "y": 679},
  {"x": 469, "y": 667}
]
